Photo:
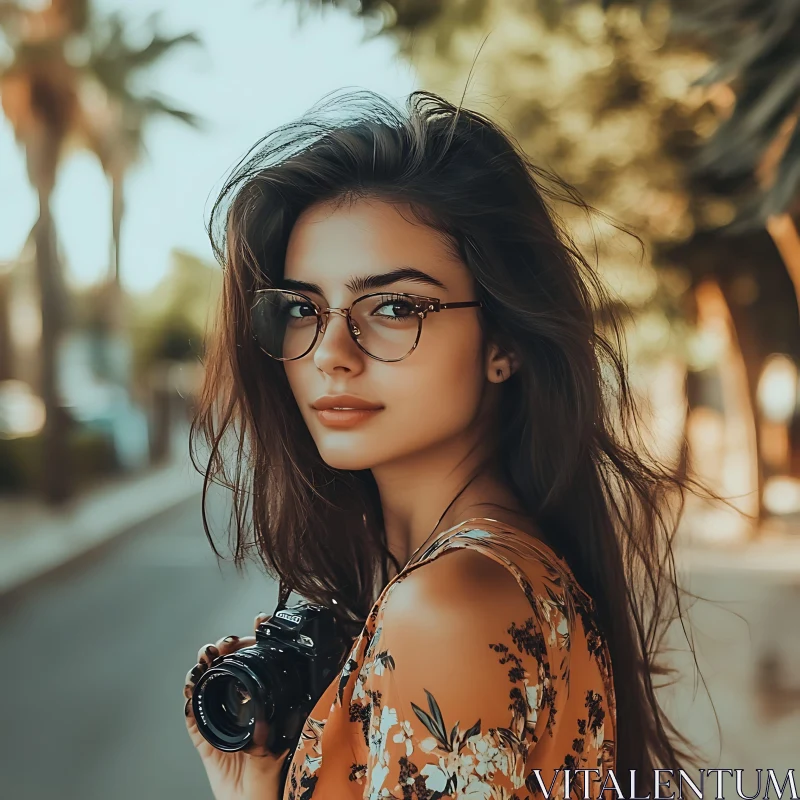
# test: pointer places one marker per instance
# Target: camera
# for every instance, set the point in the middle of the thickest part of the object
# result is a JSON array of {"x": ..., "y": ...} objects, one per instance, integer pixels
[{"x": 257, "y": 699}]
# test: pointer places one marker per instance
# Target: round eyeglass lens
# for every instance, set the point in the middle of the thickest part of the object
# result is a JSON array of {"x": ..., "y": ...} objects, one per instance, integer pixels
[
  {"x": 387, "y": 326},
  {"x": 284, "y": 323}
]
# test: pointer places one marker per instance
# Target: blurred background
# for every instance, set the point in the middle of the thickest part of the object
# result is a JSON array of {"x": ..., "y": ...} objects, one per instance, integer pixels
[{"x": 119, "y": 122}]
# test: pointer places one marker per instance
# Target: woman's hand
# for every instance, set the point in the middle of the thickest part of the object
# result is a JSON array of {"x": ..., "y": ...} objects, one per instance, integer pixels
[{"x": 233, "y": 776}]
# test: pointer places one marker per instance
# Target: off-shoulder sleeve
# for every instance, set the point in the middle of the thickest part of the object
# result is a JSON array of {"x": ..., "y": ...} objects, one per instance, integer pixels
[{"x": 457, "y": 684}]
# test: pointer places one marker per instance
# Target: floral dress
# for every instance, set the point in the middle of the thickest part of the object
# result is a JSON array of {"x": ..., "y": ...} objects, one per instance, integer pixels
[{"x": 468, "y": 680}]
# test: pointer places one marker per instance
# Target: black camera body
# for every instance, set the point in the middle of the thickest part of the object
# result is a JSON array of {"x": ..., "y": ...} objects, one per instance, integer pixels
[{"x": 257, "y": 699}]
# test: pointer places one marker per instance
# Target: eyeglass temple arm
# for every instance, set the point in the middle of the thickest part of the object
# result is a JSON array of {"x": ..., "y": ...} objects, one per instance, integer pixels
[{"x": 467, "y": 304}]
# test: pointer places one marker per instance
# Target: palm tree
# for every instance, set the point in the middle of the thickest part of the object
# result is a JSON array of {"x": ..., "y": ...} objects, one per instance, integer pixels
[
  {"x": 117, "y": 134},
  {"x": 38, "y": 91},
  {"x": 754, "y": 154},
  {"x": 112, "y": 71},
  {"x": 54, "y": 100}
]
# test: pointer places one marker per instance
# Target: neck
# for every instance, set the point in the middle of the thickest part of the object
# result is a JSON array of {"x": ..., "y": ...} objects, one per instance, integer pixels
[{"x": 416, "y": 491}]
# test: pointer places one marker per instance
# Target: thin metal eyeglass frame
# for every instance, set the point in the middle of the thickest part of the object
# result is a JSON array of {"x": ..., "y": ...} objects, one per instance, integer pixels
[{"x": 431, "y": 304}]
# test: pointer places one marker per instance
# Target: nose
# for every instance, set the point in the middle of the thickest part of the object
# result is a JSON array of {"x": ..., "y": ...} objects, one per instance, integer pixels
[{"x": 335, "y": 348}]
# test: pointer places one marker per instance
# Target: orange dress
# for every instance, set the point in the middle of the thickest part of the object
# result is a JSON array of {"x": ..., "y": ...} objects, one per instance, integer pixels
[{"x": 470, "y": 679}]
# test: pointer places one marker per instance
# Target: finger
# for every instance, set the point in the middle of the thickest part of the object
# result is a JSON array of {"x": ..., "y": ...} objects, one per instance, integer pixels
[
  {"x": 192, "y": 676},
  {"x": 207, "y": 653},
  {"x": 230, "y": 644},
  {"x": 262, "y": 617},
  {"x": 191, "y": 723}
]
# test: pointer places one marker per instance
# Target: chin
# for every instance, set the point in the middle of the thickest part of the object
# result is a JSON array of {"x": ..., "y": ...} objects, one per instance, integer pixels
[
  {"x": 343, "y": 450},
  {"x": 351, "y": 461}
]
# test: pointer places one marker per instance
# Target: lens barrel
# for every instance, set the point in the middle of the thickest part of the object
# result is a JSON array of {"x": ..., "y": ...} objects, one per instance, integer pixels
[{"x": 232, "y": 701}]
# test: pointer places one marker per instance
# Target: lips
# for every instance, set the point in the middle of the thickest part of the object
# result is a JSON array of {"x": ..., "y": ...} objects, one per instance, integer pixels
[
  {"x": 344, "y": 402},
  {"x": 331, "y": 418},
  {"x": 344, "y": 411}
]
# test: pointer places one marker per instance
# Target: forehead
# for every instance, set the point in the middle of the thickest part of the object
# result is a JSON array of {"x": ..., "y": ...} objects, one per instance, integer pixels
[{"x": 331, "y": 243}]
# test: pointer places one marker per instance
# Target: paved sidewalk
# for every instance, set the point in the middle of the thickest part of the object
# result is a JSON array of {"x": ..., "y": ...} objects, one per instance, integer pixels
[
  {"x": 779, "y": 554},
  {"x": 35, "y": 539}
]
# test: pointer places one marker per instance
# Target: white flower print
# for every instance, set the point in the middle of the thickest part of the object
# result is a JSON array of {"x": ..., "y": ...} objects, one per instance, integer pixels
[
  {"x": 404, "y": 736},
  {"x": 358, "y": 690},
  {"x": 489, "y": 757},
  {"x": 476, "y": 790},
  {"x": 435, "y": 777},
  {"x": 460, "y": 770},
  {"x": 312, "y": 764},
  {"x": 373, "y": 643},
  {"x": 533, "y": 697},
  {"x": 563, "y": 629},
  {"x": 388, "y": 719},
  {"x": 600, "y": 737},
  {"x": 428, "y": 745},
  {"x": 379, "y": 773},
  {"x": 498, "y": 793},
  {"x": 382, "y": 662}
]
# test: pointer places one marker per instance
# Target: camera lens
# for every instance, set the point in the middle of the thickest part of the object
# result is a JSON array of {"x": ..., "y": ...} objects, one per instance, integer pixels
[
  {"x": 230, "y": 700},
  {"x": 230, "y": 704}
]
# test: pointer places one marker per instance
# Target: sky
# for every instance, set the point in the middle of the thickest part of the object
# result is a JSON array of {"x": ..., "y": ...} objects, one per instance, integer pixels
[{"x": 259, "y": 67}]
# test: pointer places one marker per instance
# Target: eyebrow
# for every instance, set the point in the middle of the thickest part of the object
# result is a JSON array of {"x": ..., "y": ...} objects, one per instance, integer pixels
[{"x": 366, "y": 283}]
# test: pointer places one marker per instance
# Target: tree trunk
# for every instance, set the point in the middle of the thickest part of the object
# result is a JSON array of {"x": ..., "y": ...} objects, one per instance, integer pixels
[
  {"x": 6, "y": 349},
  {"x": 117, "y": 210},
  {"x": 115, "y": 339},
  {"x": 751, "y": 361},
  {"x": 784, "y": 233},
  {"x": 740, "y": 477},
  {"x": 56, "y": 471}
]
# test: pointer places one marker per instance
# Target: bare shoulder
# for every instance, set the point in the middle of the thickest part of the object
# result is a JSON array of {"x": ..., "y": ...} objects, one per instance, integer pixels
[{"x": 457, "y": 590}]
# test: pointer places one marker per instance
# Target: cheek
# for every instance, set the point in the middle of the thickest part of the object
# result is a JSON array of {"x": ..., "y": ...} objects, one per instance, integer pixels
[
  {"x": 304, "y": 385},
  {"x": 433, "y": 397},
  {"x": 440, "y": 393}
]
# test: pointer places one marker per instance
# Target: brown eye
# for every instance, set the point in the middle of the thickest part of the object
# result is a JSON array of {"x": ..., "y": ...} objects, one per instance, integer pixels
[
  {"x": 395, "y": 308},
  {"x": 298, "y": 310}
]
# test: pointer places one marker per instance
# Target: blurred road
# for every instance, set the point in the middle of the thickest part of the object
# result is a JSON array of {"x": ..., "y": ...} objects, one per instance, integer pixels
[
  {"x": 747, "y": 644},
  {"x": 93, "y": 663}
]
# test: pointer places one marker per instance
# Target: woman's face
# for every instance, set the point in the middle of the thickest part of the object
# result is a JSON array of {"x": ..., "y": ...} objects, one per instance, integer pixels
[{"x": 425, "y": 401}]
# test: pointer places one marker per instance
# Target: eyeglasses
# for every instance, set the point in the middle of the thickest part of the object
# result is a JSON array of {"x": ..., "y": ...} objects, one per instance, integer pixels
[{"x": 385, "y": 325}]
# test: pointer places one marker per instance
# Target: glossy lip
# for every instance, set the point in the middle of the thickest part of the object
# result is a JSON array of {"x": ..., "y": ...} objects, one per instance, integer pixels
[
  {"x": 344, "y": 401},
  {"x": 344, "y": 410},
  {"x": 332, "y": 418}
]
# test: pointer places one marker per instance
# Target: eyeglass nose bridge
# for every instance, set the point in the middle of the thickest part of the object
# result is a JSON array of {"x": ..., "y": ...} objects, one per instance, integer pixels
[{"x": 342, "y": 312}]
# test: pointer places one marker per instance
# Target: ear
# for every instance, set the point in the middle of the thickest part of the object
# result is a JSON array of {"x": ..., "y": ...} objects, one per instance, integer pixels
[{"x": 500, "y": 364}]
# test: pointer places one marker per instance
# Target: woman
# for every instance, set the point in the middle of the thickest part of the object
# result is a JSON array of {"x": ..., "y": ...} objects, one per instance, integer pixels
[{"x": 408, "y": 334}]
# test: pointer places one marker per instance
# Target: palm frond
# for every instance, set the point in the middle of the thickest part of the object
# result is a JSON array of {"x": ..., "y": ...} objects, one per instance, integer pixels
[
  {"x": 396, "y": 15},
  {"x": 756, "y": 48},
  {"x": 118, "y": 65},
  {"x": 156, "y": 104}
]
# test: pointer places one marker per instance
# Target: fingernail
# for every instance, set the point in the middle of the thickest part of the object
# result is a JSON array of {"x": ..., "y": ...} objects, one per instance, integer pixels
[
  {"x": 187, "y": 707},
  {"x": 231, "y": 639},
  {"x": 212, "y": 651},
  {"x": 196, "y": 672}
]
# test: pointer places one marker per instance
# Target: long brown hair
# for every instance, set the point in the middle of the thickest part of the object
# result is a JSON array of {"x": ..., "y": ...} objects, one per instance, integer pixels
[{"x": 569, "y": 445}]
